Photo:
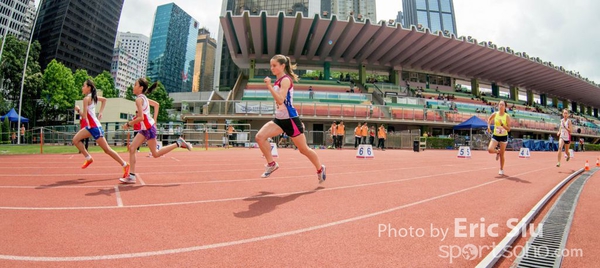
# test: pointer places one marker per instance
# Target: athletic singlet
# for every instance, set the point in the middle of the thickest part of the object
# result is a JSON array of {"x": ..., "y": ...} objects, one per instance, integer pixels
[
  {"x": 498, "y": 129},
  {"x": 148, "y": 120},
  {"x": 287, "y": 110},
  {"x": 92, "y": 120},
  {"x": 564, "y": 129}
]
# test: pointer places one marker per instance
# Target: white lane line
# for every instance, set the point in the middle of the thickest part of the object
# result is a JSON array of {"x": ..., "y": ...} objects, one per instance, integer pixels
[
  {"x": 246, "y": 197},
  {"x": 235, "y": 242},
  {"x": 175, "y": 159},
  {"x": 71, "y": 157},
  {"x": 139, "y": 177},
  {"x": 215, "y": 181},
  {"x": 118, "y": 194}
]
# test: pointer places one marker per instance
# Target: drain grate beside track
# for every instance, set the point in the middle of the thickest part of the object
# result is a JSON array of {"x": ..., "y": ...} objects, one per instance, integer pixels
[{"x": 545, "y": 248}]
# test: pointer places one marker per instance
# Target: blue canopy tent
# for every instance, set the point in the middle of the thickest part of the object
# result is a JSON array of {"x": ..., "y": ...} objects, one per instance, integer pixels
[
  {"x": 13, "y": 117},
  {"x": 472, "y": 123}
]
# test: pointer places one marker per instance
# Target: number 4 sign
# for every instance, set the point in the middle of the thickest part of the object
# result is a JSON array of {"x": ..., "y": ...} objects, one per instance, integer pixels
[
  {"x": 464, "y": 152},
  {"x": 524, "y": 153}
]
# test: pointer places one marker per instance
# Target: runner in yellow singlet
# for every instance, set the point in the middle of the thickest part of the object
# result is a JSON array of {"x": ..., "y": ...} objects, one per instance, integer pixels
[{"x": 501, "y": 121}]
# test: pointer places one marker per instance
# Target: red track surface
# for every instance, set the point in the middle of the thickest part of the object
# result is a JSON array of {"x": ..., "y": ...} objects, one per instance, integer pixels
[{"x": 213, "y": 209}]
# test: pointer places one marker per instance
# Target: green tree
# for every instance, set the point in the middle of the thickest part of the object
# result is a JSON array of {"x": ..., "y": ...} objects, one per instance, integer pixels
[
  {"x": 79, "y": 77},
  {"x": 161, "y": 96},
  {"x": 11, "y": 73},
  {"x": 106, "y": 83},
  {"x": 59, "y": 93},
  {"x": 5, "y": 130},
  {"x": 129, "y": 94}
]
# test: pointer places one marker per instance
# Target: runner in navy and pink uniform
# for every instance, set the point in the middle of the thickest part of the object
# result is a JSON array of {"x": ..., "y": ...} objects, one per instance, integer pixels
[
  {"x": 94, "y": 128},
  {"x": 147, "y": 131},
  {"x": 286, "y": 117}
]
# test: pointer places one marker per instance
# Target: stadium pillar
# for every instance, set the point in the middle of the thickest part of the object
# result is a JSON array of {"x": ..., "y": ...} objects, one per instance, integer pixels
[
  {"x": 326, "y": 70},
  {"x": 475, "y": 87},
  {"x": 252, "y": 69},
  {"x": 574, "y": 106},
  {"x": 589, "y": 110},
  {"x": 362, "y": 74},
  {"x": 543, "y": 100},
  {"x": 495, "y": 90},
  {"x": 595, "y": 112},
  {"x": 530, "y": 99},
  {"x": 565, "y": 104},
  {"x": 514, "y": 93},
  {"x": 396, "y": 76},
  {"x": 555, "y": 102}
]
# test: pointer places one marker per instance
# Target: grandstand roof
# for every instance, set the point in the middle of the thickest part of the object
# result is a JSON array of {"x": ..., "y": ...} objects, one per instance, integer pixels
[{"x": 312, "y": 41}]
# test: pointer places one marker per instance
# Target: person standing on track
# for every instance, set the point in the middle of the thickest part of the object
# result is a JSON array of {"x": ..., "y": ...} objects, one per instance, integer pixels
[
  {"x": 564, "y": 136},
  {"x": 501, "y": 121},
  {"x": 286, "y": 117},
  {"x": 382, "y": 136},
  {"x": 147, "y": 132},
  {"x": 94, "y": 127},
  {"x": 333, "y": 131},
  {"x": 341, "y": 131}
]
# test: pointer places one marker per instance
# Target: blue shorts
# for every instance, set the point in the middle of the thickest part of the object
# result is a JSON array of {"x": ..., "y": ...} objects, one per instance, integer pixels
[
  {"x": 149, "y": 133},
  {"x": 96, "y": 132}
]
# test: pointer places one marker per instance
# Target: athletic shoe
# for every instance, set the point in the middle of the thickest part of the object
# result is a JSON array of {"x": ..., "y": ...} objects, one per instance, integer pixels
[
  {"x": 322, "y": 175},
  {"x": 269, "y": 170},
  {"x": 558, "y": 164},
  {"x": 497, "y": 156},
  {"x": 181, "y": 143},
  {"x": 501, "y": 172},
  {"x": 87, "y": 162},
  {"x": 126, "y": 170},
  {"x": 568, "y": 157},
  {"x": 130, "y": 179}
]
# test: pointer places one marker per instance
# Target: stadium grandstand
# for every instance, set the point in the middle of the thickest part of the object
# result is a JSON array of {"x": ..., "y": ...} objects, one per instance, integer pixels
[{"x": 409, "y": 79}]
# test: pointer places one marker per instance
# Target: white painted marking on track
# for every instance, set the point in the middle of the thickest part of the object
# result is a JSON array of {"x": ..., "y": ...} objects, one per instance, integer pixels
[
  {"x": 71, "y": 157},
  {"x": 139, "y": 177},
  {"x": 118, "y": 194},
  {"x": 242, "y": 241},
  {"x": 175, "y": 159},
  {"x": 246, "y": 197}
]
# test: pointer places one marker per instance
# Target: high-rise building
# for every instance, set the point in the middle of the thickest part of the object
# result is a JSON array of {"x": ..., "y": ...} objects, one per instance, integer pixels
[
  {"x": 173, "y": 48},
  {"x": 138, "y": 46},
  {"x": 437, "y": 15},
  {"x": 204, "y": 67},
  {"x": 79, "y": 34},
  {"x": 16, "y": 17},
  {"x": 359, "y": 9},
  {"x": 125, "y": 68}
]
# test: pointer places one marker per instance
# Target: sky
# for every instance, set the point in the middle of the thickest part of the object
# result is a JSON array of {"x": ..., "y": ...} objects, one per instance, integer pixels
[{"x": 554, "y": 30}]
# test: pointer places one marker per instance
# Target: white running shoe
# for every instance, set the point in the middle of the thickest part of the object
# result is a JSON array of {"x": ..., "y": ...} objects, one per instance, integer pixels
[
  {"x": 269, "y": 170},
  {"x": 501, "y": 172},
  {"x": 322, "y": 176},
  {"x": 184, "y": 144},
  {"x": 129, "y": 180}
]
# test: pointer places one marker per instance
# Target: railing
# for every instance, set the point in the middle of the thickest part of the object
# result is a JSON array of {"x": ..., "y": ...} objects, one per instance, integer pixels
[
  {"x": 249, "y": 93},
  {"x": 385, "y": 87}
]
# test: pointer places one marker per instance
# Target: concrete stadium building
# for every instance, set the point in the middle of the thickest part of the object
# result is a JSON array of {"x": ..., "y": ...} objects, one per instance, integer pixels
[{"x": 411, "y": 58}]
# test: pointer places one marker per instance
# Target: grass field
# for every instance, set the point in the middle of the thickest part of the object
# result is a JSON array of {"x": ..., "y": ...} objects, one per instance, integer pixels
[{"x": 67, "y": 149}]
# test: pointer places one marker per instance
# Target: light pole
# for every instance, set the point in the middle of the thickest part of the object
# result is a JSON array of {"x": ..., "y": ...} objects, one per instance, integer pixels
[{"x": 25, "y": 69}]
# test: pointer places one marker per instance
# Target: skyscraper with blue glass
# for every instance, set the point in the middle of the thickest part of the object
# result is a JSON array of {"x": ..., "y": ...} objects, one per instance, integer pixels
[
  {"x": 173, "y": 48},
  {"x": 437, "y": 15}
]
